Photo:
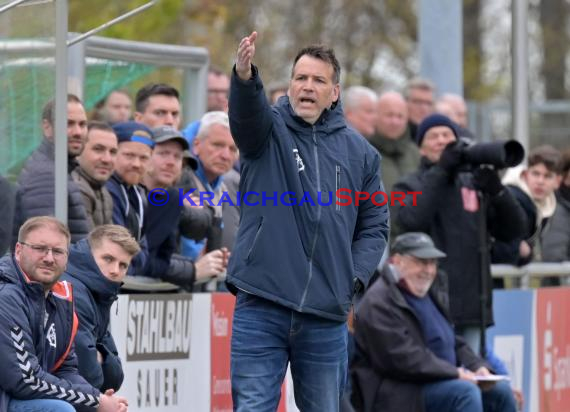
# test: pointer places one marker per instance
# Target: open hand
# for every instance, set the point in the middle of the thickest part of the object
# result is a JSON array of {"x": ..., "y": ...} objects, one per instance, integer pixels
[{"x": 245, "y": 53}]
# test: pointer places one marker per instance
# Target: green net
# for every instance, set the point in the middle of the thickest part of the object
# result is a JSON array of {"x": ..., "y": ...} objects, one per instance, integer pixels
[
  {"x": 102, "y": 76},
  {"x": 28, "y": 83}
]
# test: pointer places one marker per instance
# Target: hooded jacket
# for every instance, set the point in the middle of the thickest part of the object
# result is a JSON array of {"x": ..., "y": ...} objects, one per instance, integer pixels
[
  {"x": 308, "y": 256},
  {"x": 36, "y": 342},
  {"x": 94, "y": 294}
]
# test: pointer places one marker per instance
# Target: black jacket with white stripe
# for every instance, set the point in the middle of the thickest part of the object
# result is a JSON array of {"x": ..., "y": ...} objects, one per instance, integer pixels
[{"x": 36, "y": 342}]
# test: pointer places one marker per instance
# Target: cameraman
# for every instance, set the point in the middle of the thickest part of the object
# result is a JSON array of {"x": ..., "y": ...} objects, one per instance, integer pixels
[{"x": 448, "y": 210}]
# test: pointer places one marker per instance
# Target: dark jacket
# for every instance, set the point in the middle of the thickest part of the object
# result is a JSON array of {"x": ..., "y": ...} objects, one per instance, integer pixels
[
  {"x": 36, "y": 193},
  {"x": 129, "y": 205},
  {"x": 96, "y": 198},
  {"x": 155, "y": 226},
  {"x": 191, "y": 182},
  {"x": 399, "y": 157},
  {"x": 556, "y": 239},
  {"x": 161, "y": 230},
  {"x": 37, "y": 355},
  {"x": 392, "y": 361},
  {"x": 509, "y": 252},
  {"x": 7, "y": 195},
  {"x": 440, "y": 212},
  {"x": 307, "y": 257},
  {"x": 94, "y": 294}
]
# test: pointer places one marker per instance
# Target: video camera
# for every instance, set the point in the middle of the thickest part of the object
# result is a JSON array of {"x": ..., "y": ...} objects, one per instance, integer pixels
[{"x": 499, "y": 154}]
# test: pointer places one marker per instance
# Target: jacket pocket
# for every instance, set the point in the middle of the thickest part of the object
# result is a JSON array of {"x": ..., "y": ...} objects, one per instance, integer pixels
[{"x": 255, "y": 238}]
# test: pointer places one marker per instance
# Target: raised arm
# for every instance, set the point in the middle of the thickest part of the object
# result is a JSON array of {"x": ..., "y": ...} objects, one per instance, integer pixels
[
  {"x": 245, "y": 53},
  {"x": 250, "y": 113}
]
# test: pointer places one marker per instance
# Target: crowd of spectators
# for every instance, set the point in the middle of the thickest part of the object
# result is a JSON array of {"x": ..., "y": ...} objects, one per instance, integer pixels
[{"x": 138, "y": 167}]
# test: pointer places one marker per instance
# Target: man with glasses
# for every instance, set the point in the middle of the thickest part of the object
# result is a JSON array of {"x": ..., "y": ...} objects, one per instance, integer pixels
[
  {"x": 39, "y": 325},
  {"x": 218, "y": 90},
  {"x": 408, "y": 355},
  {"x": 419, "y": 95},
  {"x": 218, "y": 93}
]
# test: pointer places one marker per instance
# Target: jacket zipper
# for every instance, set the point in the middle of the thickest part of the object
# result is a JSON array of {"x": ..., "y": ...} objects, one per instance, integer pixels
[
  {"x": 337, "y": 186},
  {"x": 314, "y": 243}
]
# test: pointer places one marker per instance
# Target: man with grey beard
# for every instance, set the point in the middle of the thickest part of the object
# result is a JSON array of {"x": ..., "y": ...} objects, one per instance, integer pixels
[{"x": 408, "y": 355}]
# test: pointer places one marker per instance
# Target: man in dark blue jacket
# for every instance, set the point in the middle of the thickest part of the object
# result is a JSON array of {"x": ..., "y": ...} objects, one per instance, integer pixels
[
  {"x": 35, "y": 195},
  {"x": 38, "y": 325},
  {"x": 96, "y": 269},
  {"x": 298, "y": 257}
]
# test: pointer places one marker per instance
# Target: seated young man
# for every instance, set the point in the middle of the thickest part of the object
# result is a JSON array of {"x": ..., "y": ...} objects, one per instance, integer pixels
[
  {"x": 37, "y": 351},
  {"x": 96, "y": 268},
  {"x": 408, "y": 355}
]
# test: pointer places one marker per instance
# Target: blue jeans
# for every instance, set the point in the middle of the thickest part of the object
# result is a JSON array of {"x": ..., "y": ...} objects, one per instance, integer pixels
[
  {"x": 457, "y": 395},
  {"x": 265, "y": 337},
  {"x": 39, "y": 405}
]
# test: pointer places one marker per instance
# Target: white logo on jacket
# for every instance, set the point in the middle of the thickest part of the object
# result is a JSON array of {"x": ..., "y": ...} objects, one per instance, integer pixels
[
  {"x": 299, "y": 160},
  {"x": 51, "y": 336}
]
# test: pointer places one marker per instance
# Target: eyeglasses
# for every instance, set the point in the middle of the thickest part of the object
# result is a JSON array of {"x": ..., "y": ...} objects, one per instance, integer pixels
[
  {"x": 224, "y": 92},
  {"x": 43, "y": 250},
  {"x": 421, "y": 102}
]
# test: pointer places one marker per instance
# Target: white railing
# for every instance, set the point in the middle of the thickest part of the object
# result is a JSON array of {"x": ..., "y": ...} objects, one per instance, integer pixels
[{"x": 523, "y": 274}]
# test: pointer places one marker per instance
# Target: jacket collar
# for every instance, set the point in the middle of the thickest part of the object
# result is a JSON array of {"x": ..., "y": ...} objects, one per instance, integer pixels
[
  {"x": 95, "y": 184},
  {"x": 82, "y": 266},
  {"x": 392, "y": 147},
  {"x": 330, "y": 120}
]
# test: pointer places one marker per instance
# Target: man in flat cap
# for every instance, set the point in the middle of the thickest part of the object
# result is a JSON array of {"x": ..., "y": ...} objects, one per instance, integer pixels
[{"x": 408, "y": 355}]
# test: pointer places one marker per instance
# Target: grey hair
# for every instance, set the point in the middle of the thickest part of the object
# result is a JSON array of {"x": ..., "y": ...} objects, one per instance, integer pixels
[
  {"x": 210, "y": 119},
  {"x": 355, "y": 94},
  {"x": 419, "y": 83}
]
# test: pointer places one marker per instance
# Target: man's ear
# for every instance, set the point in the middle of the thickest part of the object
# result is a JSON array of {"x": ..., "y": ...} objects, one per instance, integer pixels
[
  {"x": 137, "y": 116},
  {"x": 524, "y": 175},
  {"x": 47, "y": 129},
  {"x": 196, "y": 149},
  {"x": 336, "y": 93}
]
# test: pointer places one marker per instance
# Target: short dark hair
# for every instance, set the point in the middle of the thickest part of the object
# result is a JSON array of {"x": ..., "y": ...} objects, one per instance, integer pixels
[
  {"x": 99, "y": 125},
  {"x": 548, "y": 156},
  {"x": 153, "y": 89},
  {"x": 48, "y": 112},
  {"x": 321, "y": 52}
]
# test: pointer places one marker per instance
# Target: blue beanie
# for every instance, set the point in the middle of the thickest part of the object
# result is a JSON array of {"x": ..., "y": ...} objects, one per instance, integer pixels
[
  {"x": 133, "y": 132},
  {"x": 433, "y": 121}
]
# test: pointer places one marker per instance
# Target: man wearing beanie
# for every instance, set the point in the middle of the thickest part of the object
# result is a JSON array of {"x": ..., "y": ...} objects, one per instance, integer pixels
[{"x": 448, "y": 210}]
